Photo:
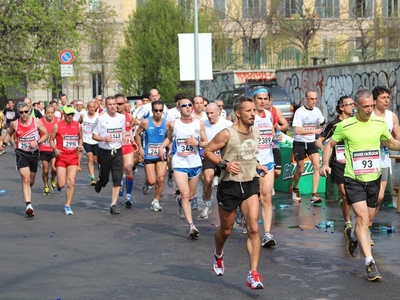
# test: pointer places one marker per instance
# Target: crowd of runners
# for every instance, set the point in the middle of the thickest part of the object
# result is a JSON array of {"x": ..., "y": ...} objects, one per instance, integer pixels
[{"x": 193, "y": 141}]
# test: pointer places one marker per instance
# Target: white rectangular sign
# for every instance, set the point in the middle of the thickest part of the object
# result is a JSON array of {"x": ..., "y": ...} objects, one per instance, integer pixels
[
  {"x": 186, "y": 56},
  {"x": 67, "y": 70}
]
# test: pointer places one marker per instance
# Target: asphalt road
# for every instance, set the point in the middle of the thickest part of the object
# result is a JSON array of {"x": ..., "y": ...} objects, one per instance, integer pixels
[{"x": 141, "y": 254}]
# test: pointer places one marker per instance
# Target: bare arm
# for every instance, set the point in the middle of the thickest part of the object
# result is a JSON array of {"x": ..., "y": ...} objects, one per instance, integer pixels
[
  {"x": 283, "y": 124},
  {"x": 396, "y": 127},
  {"x": 326, "y": 155},
  {"x": 319, "y": 142},
  {"x": 167, "y": 141},
  {"x": 142, "y": 127}
]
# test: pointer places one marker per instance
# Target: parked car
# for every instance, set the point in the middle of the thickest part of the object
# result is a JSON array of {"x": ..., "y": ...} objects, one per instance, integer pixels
[{"x": 281, "y": 98}]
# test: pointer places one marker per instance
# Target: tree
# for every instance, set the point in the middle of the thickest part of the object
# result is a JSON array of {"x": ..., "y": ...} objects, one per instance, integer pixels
[
  {"x": 101, "y": 29},
  {"x": 32, "y": 35},
  {"x": 150, "y": 57}
]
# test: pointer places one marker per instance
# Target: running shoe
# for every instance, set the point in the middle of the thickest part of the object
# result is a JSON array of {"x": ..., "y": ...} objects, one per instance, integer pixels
[
  {"x": 68, "y": 211},
  {"x": 145, "y": 188},
  {"x": 296, "y": 195},
  {"x": 155, "y": 206},
  {"x": 113, "y": 210},
  {"x": 315, "y": 199},
  {"x": 2, "y": 152},
  {"x": 194, "y": 204},
  {"x": 268, "y": 240},
  {"x": 206, "y": 211},
  {"x": 218, "y": 265},
  {"x": 180, "y": 210},
  {"x": 239, "y": 218},
  {"x": 92, "y": 181},
  {"x": 121, "y": 191},
  {"x": 53, "y": 184},
  {"x": 372, "y": 272},
  {"x": 352, "y": 246},
  {"x": 347, "y": 230},
  {"x": 254, "y": 281},
  {"x": 128, "y": 202},
  {"x": 46, "y": 191},
  {"x": 170, "y": 180},
  {"x": 29, "y": 211},
  {"x": 193, "y": 232},
  {"x": 244, "y": 230},
  {"x": 98, "y": 186}
]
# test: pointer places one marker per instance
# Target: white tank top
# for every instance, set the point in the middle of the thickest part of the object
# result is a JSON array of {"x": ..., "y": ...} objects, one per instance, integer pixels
[
  {"x": 186, "y": 156},
  {"x": 265, "y": 140},
  {"x": 87, "y": 128},
  {"x": 385, "y": 159}
]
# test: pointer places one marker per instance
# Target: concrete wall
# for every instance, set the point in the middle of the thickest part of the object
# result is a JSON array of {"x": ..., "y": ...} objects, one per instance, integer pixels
[{"x": 331, "y": 82}]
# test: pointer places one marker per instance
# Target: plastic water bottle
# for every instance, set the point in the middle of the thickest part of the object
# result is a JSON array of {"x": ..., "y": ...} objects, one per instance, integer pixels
[
  {"x": 327, "y": 224},
  {"x": 276, "y": 139},
  {"x": 284, "y": 206},
  {"x": 387, "y": 229}
]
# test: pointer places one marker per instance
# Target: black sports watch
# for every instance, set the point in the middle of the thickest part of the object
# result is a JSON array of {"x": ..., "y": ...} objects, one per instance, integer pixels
[{"x": 222, "y": 164}]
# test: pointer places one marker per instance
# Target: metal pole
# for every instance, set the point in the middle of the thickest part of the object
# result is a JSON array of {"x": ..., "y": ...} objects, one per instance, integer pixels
[{"x": 196, "y": 49}]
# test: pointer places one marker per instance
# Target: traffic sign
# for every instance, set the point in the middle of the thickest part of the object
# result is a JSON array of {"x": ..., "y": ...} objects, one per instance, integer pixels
[
  {"x": 66, "y": 57},
  {"x": 67, "y": 70}
]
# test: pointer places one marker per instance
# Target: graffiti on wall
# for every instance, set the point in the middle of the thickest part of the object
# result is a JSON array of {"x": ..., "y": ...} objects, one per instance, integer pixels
[
  {"x": 330, "y": 87},
  {"x": 211, "y": 88}
]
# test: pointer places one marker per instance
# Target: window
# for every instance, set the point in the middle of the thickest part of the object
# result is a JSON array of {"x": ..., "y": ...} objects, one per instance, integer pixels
[
  {"x": 252, "y": 51},
  {"x": 95, "y": 51},
  {"x": 327, "y": 8},
  {"x": 390, "y": 8},
  {"x": 220, "y": 8},
  {"x": 254, "y": 9},
  {"x": 94, "y": 5},
  {"x": 97, "y": 84},
  {"x": 361, "y": 8},
  {"x": 290, "y": 7}
]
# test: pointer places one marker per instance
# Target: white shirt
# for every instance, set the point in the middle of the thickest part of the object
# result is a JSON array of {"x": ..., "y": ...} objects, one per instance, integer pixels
[
  {"x": 213, "y": 129},
  {"x": 110, "y": 126},
  {"x": 173, "y": 114},
  {"x": 145, "y": 111},
  {"x": 308, "y": 120},
  {"x": 203, "y": 116}
]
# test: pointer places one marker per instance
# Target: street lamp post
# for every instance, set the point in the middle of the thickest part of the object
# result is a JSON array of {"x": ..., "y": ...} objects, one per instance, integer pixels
[{"x": 196, "y": 49}]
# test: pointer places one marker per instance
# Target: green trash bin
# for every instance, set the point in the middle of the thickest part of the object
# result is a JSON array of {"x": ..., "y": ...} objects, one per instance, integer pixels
[{"x": 284, "y": 182}]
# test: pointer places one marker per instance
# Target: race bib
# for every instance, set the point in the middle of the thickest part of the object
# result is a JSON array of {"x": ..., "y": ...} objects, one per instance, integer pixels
[
  {"x": 24, "y": 143},
  {"x": 153, "y": 150},
  {"x": 340, "y": 154},
  {"x": 366, "y": 162},
  {"x": 115, "y": 134},
  {"x": 265, "y": 138},
  {"x": 87, "y": 127},
  {"x": 70, "y": 142},
  {"x": 183, "y": 148}
]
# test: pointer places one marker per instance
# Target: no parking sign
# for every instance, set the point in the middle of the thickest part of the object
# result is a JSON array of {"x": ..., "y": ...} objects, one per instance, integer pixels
[{"x": 66, "y": 57}]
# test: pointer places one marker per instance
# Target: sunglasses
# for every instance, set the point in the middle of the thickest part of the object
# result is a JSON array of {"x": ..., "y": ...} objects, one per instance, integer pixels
[
  {"x": 187, "y": 105},
  {"x": 157, "y": 110},
  {"x": 23, "y": 112},
  {"x": 120, "y": 103},
  {"x": 70, "y": 114},
  {"x": 350, "y": 103}
]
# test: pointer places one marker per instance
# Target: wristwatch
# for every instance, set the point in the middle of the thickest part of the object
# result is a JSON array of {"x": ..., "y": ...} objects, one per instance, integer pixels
[{"x": 222, "y": 164}]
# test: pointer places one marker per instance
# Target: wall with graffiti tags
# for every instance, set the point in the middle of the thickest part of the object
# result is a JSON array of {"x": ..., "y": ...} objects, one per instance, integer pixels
[
  {"x": 332, "y": 82},
  {"x": 226, "y": 80}
]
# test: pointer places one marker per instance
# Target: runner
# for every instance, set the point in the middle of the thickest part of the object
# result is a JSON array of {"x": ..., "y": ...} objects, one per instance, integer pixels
[
  {"x": 109, "y": 131},
  {"x": 26, "y": 130},
  {"x": 362, "y": 174},
  {"x": 47, "y": 155},
  {"x": 239, "y": 185},
  {"x": 155, "y": 131},
  {"x": 66, "y": 140},
  {"x": 213, "y": 126},
  {"x": 305, "y": 121},
  {"x": 344, "y": 108},
  {"x": 265, "y": 157},
  {"x": 189, "y": 135},
  {"x": 87, "y": 121},
  {"x": 127, "y": 150}
]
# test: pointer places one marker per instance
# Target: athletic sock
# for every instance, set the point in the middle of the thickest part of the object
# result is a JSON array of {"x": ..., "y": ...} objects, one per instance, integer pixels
[{"x": 129, "y": 184}]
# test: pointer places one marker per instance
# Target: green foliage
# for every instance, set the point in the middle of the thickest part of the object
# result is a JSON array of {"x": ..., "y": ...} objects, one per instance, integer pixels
[
  {"x": 32, "y": 35},
  {"x": 150, "y": 57}
]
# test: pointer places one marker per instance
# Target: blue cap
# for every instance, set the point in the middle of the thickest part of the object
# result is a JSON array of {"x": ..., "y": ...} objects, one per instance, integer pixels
[{"x": 261, "y": 90}]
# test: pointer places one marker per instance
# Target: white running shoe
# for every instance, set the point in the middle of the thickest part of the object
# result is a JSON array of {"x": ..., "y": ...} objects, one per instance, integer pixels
[{"x": 155, "y": 206}]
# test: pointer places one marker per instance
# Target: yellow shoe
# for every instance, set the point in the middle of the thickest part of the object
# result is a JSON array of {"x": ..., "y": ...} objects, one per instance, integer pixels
[
  {"x": 46, "y": 191},
  {"x": 53, "y": 184}
]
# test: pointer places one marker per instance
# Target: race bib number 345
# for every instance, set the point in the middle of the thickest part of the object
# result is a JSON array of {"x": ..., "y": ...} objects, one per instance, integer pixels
[{"x": 366, "y": 162}]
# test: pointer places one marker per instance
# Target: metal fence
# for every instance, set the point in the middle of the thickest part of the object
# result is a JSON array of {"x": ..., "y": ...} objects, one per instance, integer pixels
[{"x": 293, "y": 58}]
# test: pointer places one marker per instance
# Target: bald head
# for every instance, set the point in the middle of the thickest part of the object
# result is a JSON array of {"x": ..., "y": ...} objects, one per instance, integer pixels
[
  {"x": 154, "y": 95},
  {"x": 212, "y": 112}
]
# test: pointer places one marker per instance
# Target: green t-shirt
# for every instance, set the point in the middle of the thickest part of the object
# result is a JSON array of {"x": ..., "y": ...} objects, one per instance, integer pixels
[{"x": 362, "y": 146}]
